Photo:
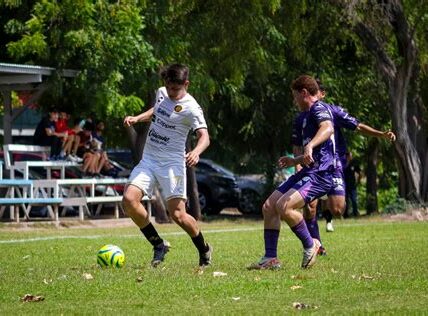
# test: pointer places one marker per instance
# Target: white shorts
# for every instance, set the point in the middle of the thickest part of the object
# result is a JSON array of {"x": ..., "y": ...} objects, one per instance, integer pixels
[{"x": 170, "y": 175}]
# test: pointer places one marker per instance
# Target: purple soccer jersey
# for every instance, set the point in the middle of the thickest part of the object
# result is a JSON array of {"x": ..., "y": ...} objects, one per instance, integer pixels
[
  {"x": 341, "y": 119},
  {"x": 324, "y": 154},
  {"x": 315, "y": 180}
]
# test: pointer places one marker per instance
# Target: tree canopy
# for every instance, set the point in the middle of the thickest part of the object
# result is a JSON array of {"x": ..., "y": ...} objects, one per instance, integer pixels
[{"x": 243, "y": 56}]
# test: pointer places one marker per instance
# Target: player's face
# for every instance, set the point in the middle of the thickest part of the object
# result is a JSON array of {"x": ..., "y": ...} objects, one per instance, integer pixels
[{"x": 176, "y": 91}]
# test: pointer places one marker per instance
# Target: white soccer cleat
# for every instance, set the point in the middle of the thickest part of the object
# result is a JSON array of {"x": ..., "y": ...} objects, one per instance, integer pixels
[
  {"x": 310, "y": 254},
  {"x": 329, "y": 227}
]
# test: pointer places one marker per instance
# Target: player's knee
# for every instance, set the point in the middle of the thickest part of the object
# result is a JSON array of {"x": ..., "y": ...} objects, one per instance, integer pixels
[
  {"x": 177, "y": 216},
  {"x": 268, "y": 210},
  {"x": 337, "y": 210},
  {"x": 129, "y": 202}
]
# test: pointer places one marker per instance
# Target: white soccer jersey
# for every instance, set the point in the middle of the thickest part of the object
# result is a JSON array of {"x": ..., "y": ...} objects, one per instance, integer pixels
[{"x": 171, "y": 122}]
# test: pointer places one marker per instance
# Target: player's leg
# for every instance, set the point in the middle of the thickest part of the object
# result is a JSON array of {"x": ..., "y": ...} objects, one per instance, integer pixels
[
  {"x": 172, "y": 180},
  {"x": 287, "y": 206},
  {"x": 354, "y": 202},
  {"x": 310, "y": 216},
  {"x": 310, "y": 187},
  {"x": 177, "y": 211},
  {"x": 140, "y": 181},
  {"x": 272, "y": 226}
]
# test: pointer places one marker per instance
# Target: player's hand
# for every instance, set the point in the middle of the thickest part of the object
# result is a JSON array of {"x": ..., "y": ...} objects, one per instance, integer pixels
[
  {"x": 390, "y": 136},
  {"x": 285, "y": 162},
  {"x": 192, "y": 158},
  {"x": 307, "y": 155},
  {"x": 129, "y": 120}
]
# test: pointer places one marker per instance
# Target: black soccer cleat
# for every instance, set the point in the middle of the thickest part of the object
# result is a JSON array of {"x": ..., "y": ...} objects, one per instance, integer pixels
[
  {"x": 159, "y": 253},
  {"x": 206, "y": 257}
]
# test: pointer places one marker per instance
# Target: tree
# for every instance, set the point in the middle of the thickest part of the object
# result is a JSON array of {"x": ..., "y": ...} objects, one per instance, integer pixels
[{"x": 391, "y": 30}]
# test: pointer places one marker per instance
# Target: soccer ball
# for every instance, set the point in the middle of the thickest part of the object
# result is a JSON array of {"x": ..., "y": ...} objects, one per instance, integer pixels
[{"x": 110, "y": 256}]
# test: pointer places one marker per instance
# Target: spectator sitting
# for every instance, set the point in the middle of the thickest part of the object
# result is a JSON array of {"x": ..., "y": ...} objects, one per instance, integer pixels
[
  {"x": 61, "y": 126},
  {"x": 84, "y": 151},
  {"x": 72, "y": 143},
  {"x": 104, "y": 165},
  {"x": 45, "y": 134}
]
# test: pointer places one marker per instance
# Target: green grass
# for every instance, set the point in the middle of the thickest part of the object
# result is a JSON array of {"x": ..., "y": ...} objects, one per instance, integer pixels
[{"x": 371, "y": 267}]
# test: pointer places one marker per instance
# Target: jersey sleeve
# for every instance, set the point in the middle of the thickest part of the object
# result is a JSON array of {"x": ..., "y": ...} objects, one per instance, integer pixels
[
  {"x": 321, "y": 113},
  {"x": 198, "y": 119},
  {"x": 343, "y": 119}
]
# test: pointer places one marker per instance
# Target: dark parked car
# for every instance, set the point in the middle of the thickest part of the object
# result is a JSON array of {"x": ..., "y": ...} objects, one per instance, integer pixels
[
  {"x": 252, "y": 193},
  {"x": 217, "y": 187}
]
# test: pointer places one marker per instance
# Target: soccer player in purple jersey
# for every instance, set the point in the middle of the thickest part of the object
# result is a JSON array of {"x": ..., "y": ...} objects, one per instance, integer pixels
[
  {"x": 311, "y": 182},
  {"x": 336, "y": 200}
]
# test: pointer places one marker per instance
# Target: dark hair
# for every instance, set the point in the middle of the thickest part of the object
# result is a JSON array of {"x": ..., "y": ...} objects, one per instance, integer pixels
[
  {"x": 77, "y": 121},
  {"x": 175, "y": 73},
  {"x": 305, "y": 82},
  {"x": 320, "y": 85},
  {"x": 88, "y": 126},
  {"x": 53, "y": 109}
]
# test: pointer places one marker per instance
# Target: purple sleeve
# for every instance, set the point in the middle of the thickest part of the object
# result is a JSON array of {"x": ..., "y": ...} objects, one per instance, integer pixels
[
  {"x": 321, "y": 112},
  {"x": 296, "y": 137},
  {"x": 342, "y": 118}
]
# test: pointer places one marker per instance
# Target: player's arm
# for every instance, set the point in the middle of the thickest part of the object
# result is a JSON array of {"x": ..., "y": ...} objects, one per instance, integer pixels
[
  {"x": 192, "y": 157},
  {"x": 286, "y": 161},
  {"x": 143, "y": 117},
  {"x": 370, "y": 131},
  {"x": 298, "y": 151},
  {"x": 324, "y": 132}
]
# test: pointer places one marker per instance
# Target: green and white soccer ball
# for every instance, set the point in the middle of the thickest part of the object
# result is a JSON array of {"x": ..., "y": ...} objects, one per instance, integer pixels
[{"x": 110, "y": 256}]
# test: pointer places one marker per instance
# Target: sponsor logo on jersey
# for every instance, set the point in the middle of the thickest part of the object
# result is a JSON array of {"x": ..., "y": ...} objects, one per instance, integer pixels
[
  {"x": 164, "y": 124},
  {"x": 178, "y": 108},
  {"x": 163, "y": 112},
  {"x": 160, "y": 139}
]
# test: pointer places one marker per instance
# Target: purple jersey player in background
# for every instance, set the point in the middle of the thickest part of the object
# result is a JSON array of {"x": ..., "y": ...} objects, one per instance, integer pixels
[
  {"x": 311, "y": 182},
  {"x": 336, "y": 201}
]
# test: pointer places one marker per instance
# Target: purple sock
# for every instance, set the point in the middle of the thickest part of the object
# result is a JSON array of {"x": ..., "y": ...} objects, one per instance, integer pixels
[
  {"x": 271, "y": 242},
  {"x": 302, "y": 232},
  {"x": 312, "y": 225}
]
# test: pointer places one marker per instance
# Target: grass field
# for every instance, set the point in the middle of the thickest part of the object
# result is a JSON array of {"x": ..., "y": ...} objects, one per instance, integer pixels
[{"x": 372, "y": 266}]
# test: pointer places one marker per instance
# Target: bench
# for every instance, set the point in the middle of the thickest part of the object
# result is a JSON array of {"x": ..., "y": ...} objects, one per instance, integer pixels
[
  {"x": 74, "y": 193},
  {"x": 14, "y": 202},
  {"x": 26, "y": 187},
  {"x": 24, "y": 166}
]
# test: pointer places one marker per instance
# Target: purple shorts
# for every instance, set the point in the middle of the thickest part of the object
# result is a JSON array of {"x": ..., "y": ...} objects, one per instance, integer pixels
[
  {"x": 338, "y": 187},
  {"x": 311, "y": 186}
]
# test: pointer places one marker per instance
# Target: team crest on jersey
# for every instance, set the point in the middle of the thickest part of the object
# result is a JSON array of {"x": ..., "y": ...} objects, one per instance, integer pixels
[{"x": 178, "y": 108}]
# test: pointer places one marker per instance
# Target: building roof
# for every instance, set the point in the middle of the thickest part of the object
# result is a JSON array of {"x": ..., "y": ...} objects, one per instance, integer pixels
[{"x": 26, "y": 74}]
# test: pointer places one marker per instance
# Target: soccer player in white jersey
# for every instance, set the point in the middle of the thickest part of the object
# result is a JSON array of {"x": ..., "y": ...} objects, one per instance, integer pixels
[{"x": 164, "y": 160}]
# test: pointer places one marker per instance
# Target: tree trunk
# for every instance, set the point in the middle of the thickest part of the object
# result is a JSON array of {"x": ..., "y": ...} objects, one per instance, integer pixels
[
  {"x": 371, "y": 174},
  {"x": 192, "y": 187}
]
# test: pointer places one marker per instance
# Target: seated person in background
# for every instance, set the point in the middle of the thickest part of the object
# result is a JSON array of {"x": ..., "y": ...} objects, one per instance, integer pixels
[
  {"x": 72, "y": 143},
  {"x": 84, "y": 151},
  {"x": 45, "y": 134},
  {"x": 104, "y": 165}
]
